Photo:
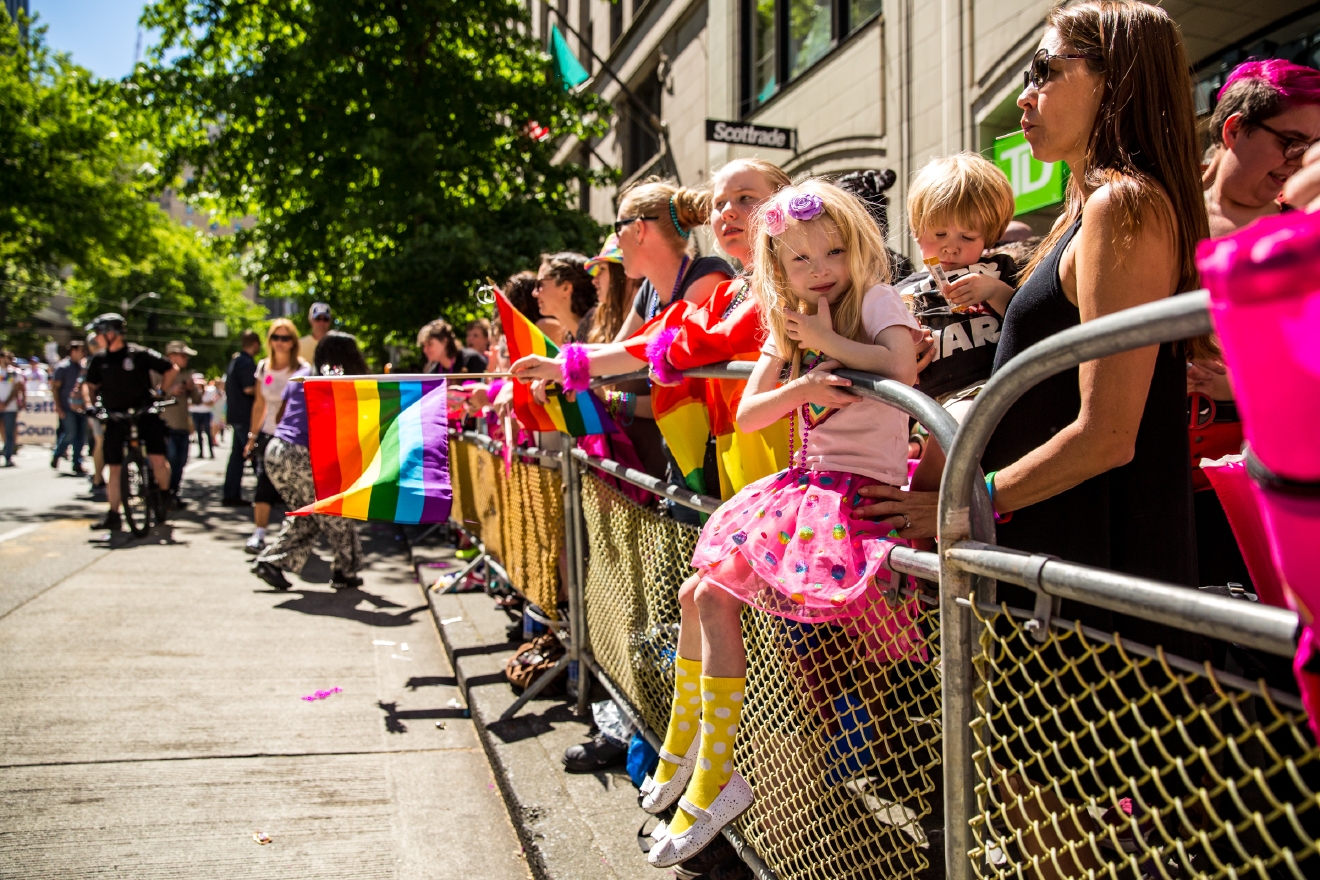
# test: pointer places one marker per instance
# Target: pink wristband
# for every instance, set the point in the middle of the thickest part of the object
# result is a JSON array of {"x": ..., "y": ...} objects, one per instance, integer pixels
[{"x": 576, "y": 369}]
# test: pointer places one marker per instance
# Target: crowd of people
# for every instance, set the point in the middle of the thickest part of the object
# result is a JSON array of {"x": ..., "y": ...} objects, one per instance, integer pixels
[{"x": 1094, "y": 465}]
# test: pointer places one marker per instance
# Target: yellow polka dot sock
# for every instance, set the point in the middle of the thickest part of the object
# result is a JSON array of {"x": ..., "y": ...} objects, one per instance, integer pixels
[
  {"x": 684, "y": 715},
  {"x": 721, "y": 711}
]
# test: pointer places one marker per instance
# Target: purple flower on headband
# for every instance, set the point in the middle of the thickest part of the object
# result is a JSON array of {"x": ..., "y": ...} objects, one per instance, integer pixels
[
  {"x": 775, "y": 221},
  {"x": 805, "y": 206}
]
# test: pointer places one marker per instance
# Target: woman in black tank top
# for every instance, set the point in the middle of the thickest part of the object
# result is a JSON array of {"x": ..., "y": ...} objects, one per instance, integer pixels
[
  {"x": 1092, "y": 465},
  {"x": 1134, "y": 518}
]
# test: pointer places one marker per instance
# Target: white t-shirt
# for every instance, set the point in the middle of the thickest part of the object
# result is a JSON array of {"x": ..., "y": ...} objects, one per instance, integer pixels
[
  {"x": 209, "y": 395},
  {"x": 270, "y": 384},
  {"x": 868, "y": 437},
  {"x": 9, "y": 379}
]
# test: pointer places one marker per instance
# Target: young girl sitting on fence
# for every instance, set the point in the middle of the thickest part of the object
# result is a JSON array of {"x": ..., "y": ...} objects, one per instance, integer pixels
[{"x": 789, "y": 544}]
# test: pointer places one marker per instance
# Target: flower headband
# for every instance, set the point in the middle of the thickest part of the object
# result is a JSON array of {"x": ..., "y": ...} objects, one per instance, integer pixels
[{"x": 803, "y": 206}]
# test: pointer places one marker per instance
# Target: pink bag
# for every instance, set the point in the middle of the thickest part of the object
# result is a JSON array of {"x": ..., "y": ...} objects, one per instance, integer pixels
[{"x": 1265, "y": 303}]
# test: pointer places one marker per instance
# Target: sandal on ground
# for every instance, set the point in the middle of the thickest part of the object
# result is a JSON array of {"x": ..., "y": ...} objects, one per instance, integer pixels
[
  {"x": 731, "y": 803},
  {"x": 656, "y": 797}
]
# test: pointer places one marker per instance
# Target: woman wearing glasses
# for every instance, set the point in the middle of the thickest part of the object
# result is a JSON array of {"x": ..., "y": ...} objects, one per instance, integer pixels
[
  {"x": 1092, "y": 465},
  {"x": 654, "y": 231},
  {"x": 282, "y": 361},
  {"x": 1267, "y": 116}
]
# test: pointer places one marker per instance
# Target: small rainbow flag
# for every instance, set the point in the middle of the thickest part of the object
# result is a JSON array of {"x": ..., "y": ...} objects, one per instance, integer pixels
[
  {"x": 380, "y": 449},
  {"x": 579, "y": 417}
]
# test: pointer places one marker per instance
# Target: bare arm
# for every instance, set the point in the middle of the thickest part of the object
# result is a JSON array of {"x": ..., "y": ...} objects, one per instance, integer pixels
[
  {"x": 631, "y": 325},
  {"x": 167, "y": 383},
  {"x": 893, "y": 354},
  {"x": 765, "y": 401},
  {"x": 1105, "y": 275},
  {"x": 604, "y": 360}
]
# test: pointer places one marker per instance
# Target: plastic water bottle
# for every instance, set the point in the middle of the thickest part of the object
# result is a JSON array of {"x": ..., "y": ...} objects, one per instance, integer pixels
[{"x": 573, "y": 679}]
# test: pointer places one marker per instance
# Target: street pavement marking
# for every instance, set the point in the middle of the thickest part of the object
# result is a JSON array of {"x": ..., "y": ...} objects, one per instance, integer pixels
[{"x": 18, "y": 532}]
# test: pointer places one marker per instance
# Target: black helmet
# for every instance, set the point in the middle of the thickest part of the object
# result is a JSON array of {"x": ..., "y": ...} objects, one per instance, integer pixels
[{"x": 108, "y": 321}]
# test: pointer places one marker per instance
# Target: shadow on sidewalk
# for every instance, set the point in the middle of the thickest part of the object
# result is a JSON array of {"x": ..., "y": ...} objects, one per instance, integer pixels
[{"x": 343, "y": 603}]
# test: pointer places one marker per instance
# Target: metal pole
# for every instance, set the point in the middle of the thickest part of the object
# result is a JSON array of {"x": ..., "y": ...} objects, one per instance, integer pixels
[
  {"x": 1177, "y": 317},
  {"x": 576, "y": 567}
]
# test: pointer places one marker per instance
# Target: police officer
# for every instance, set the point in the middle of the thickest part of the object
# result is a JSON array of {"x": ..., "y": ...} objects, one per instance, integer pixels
[{"x": 121, "y": 376}]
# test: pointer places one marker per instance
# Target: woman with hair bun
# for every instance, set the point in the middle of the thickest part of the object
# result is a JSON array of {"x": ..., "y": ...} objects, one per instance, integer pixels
[
  {"x": 1267, "y": 116},
  {"x": 654, "y": 229}
]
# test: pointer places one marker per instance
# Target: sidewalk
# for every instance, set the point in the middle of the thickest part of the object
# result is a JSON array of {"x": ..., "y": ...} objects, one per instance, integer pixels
[{"x": 151, "y": 720}]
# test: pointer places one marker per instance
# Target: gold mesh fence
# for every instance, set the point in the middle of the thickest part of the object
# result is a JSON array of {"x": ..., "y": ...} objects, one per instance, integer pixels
[
  {"x": 1097, "y": 757},
  {"x": 518, "y": 517},
  {"x": 839, "y": 738}
]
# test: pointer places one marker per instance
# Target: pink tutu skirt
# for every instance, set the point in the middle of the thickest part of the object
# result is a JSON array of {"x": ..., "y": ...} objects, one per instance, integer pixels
[{"x": 789, "y": 544}]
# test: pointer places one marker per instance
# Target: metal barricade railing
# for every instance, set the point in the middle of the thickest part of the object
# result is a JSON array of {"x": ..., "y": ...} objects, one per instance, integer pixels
[
  {"x": 996, "y": 742},
  {"x": 1097, "y": 755}
]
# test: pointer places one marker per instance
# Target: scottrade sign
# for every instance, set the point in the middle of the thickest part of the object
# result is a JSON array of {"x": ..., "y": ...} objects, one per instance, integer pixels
[{"x": 750, "y": 135}]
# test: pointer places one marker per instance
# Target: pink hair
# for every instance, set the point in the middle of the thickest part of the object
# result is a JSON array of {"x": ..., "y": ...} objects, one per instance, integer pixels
[{"x": 1295, "y": 83}]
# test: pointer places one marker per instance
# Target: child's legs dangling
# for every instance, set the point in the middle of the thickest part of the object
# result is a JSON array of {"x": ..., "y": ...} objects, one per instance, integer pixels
[
  {"x": 724, "y": 676},
  {"x": 685, "y": 714}
]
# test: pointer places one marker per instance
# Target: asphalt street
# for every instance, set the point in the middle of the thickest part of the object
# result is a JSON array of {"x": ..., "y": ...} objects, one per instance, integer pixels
[{"x": 152, "y": 718}]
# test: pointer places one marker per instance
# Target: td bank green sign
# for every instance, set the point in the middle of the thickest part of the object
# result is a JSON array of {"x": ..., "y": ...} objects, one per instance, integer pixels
[{"x": 1035, "y": 184}]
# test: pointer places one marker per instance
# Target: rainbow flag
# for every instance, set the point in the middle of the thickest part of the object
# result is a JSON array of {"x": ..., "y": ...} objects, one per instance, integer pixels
[
  {"x": 579, "y": 417},
  {"x": 380, "y": 449}
]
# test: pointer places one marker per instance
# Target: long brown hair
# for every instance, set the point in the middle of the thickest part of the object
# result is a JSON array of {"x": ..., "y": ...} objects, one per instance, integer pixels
[
  {"x": 612, "y": 310},
  {"x": 1144, "y": 137}
]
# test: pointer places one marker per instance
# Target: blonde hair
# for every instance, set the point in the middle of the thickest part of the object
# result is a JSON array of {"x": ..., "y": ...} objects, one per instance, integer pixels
[
  {"x": 868, "y": 261},
  {"x": 291, "y": 329},
  {"x": 773, "y": 174},
  {"x": 653, "y": 197},
  {"x": 965, "y": 188}
]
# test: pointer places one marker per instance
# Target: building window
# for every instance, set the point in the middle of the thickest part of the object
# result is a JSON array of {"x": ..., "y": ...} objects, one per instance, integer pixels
[
  {"x": 616, "y": 22},
  {"x": 782, "y": 39},
  {"x": 642, "y": 144}
]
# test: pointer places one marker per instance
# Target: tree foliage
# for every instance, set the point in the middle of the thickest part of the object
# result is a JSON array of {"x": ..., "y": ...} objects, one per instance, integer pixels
[
  {"x": 380, "y": 144},
  {"x": 74, "y": 176},
  {"x": 197, "y": 287}
]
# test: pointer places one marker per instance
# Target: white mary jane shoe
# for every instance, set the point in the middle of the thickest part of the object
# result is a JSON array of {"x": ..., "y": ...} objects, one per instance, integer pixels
[
  {"x": 660, "y": 796},
  {"x": 731, "y": 803}
]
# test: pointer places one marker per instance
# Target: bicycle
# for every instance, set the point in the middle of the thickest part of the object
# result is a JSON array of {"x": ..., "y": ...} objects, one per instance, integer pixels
[{"x": 141, "y": 497}]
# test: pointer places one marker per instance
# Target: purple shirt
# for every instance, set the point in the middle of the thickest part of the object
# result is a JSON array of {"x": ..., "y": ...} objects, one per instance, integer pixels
[{"x": 293, "y": 426}]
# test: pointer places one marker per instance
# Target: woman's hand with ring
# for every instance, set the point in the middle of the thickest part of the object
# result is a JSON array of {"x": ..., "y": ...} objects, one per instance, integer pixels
[{"x": 913, "y": 514}]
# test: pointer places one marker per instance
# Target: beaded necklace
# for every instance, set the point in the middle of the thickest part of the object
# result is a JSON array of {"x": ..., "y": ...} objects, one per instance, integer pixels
[
  {"x": 796, "y": 461},
  {"x": 653, "y": 307},
  {"x": 738, "y": 298}
]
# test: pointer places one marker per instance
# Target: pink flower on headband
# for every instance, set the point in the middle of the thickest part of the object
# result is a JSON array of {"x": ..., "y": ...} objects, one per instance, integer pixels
[
  {"x": 775, "y": 221},
  {"x": 805, "y": 206}
]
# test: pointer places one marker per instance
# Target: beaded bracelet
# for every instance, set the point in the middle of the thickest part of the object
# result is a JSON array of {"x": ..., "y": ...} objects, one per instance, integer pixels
[{"x": 619, "y": 403}]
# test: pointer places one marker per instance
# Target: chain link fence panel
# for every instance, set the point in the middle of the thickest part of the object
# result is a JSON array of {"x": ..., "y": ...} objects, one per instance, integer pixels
[
  {"x": 518, "y": 516},
  {"x": 1099, "y": 757},
  {"x": 841, "y": 745}
]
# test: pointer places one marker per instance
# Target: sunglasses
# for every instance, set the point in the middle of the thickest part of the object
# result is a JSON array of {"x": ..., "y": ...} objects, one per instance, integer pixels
[
  {"x": 1038, "y": 72},
  {"x": 320, "y": 317},
  {"x": 282, "y": 338},
  {"x": 1293, "y": 147},
  {"x": 620, "y": 225}
]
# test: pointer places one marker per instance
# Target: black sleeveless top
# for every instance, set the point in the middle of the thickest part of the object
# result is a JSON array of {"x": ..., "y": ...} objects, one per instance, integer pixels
[{"x": 1136, "y": 518}]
